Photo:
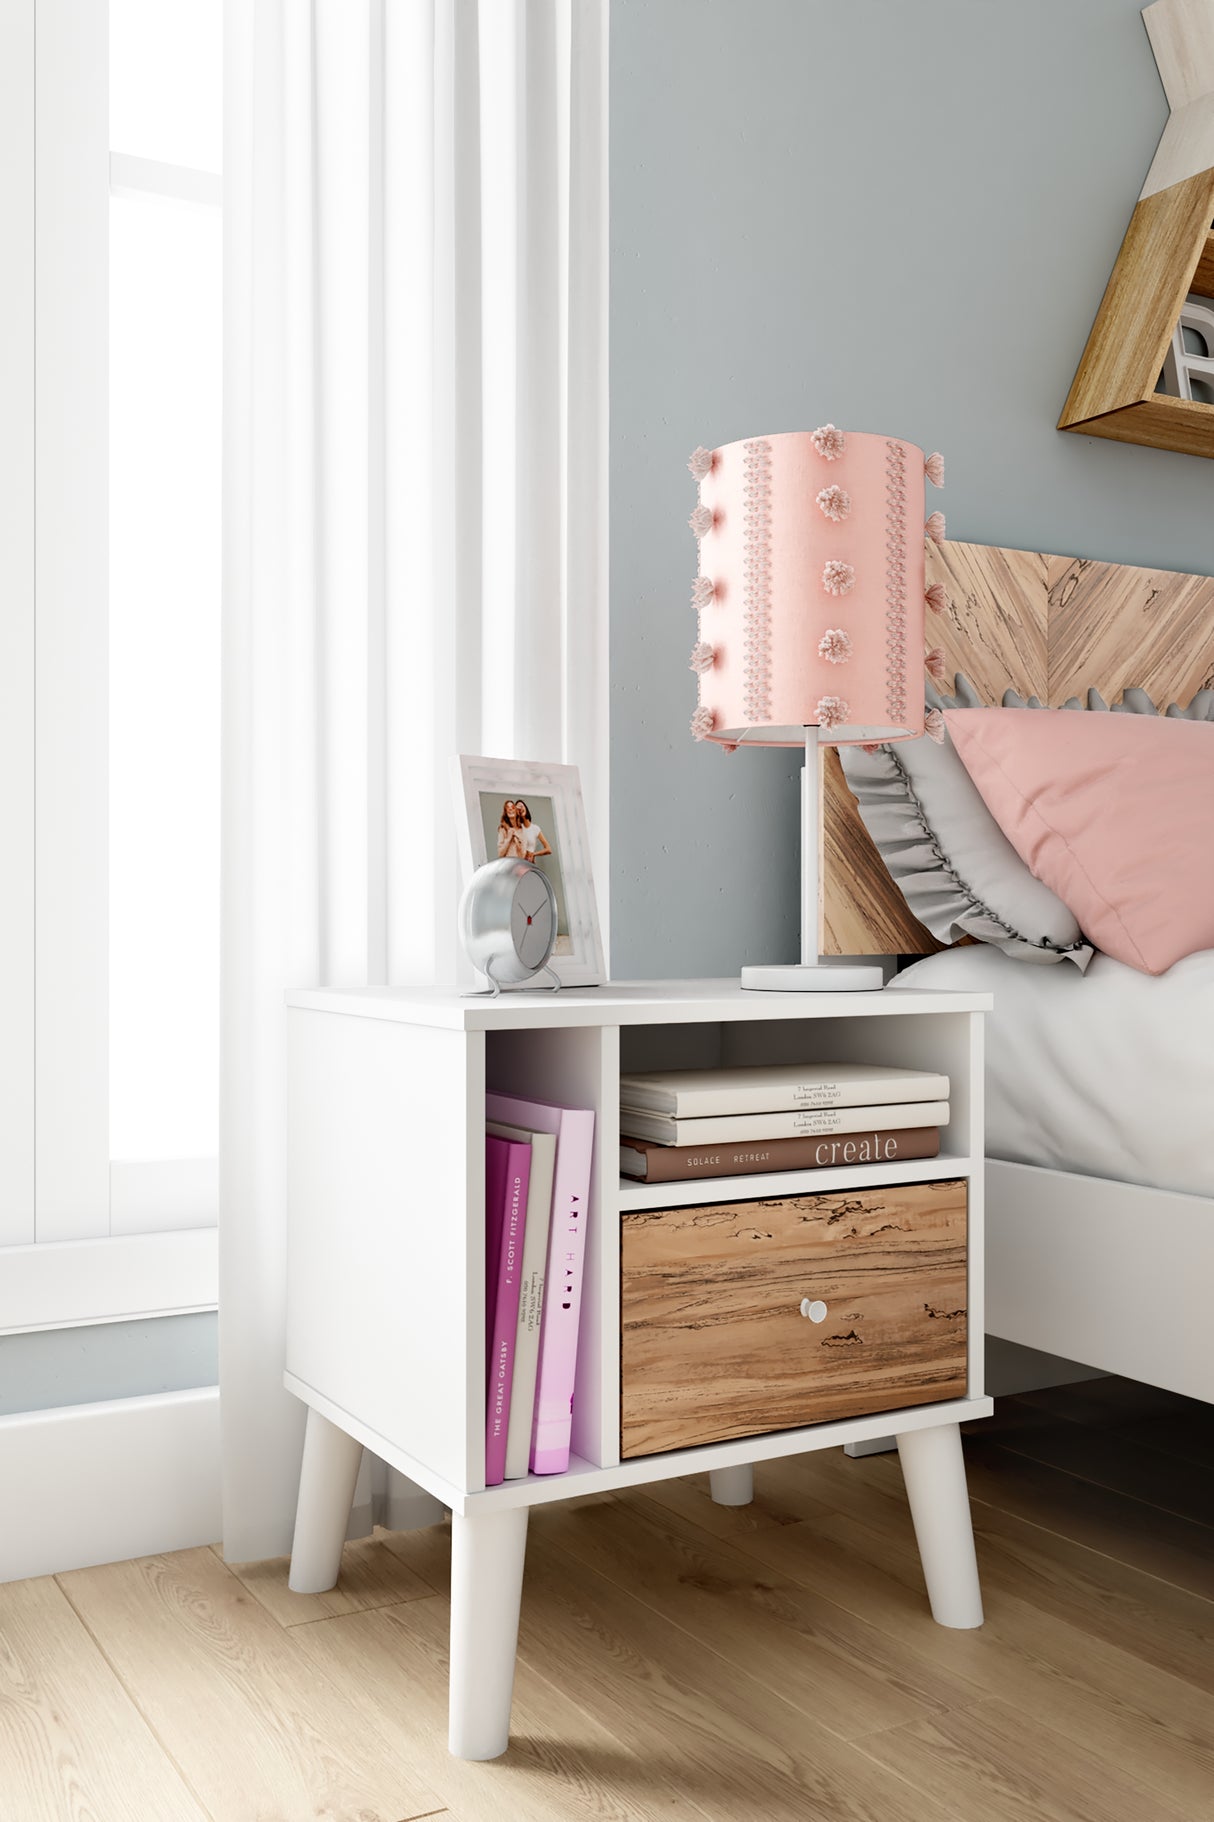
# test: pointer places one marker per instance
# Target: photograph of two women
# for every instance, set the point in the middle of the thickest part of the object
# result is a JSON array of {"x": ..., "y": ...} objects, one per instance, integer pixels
[{"x": 516, "y": 828}]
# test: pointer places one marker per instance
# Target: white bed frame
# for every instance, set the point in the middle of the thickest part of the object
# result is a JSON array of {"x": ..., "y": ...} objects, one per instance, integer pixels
[{"x": 1111, "y": 1274}]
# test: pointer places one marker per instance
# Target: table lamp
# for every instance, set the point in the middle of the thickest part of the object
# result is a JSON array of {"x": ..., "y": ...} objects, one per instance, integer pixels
[{"x": 810, "y": 597}]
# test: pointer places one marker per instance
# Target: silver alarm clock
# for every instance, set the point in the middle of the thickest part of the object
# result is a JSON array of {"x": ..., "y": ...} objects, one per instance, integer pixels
[{"x": 507, "y": 922}]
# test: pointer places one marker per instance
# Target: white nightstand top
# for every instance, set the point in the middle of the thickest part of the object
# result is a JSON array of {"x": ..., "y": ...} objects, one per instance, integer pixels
[{"x": 621, "y": 1003}]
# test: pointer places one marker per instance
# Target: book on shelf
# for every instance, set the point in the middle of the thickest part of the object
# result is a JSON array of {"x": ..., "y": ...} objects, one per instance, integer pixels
[
  {"x": 802, "y": 1122},
  {"x": 648, "y": 1163},
  {"x": 531, "y": 1291},
  {"x": 508, "y": 1170},
  {"x": 573, "y": 1128},
  {"x": 495, "y": 1202},
  {"x": 696, "y": 1094}
]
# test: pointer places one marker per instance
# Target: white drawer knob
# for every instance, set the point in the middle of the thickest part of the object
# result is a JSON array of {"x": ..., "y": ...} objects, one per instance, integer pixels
[{"x": 816, "y": 1311}]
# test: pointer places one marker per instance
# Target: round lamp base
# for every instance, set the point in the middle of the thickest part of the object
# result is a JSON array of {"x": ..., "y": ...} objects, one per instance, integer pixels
[{"x": 820, "y": 977}]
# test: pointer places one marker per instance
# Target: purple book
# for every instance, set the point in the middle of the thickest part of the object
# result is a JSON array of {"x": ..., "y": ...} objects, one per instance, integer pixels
[{"x": 507, "y": 1175}]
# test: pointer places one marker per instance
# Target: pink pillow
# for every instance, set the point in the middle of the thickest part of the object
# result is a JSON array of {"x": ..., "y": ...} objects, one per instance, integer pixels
[{"x": 1115, "y": 813}]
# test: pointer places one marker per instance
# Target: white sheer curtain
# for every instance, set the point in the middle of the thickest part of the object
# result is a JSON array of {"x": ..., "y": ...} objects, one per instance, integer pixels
[{"x": 415, "y": 537}]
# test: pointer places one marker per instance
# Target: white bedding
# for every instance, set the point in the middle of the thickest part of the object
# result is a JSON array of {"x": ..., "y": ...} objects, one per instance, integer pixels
[{"x": 1109, "y": 1073}]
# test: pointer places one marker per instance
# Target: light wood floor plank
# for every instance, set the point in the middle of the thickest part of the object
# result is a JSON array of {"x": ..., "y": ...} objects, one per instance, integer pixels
[
  {"x": 850, "y": 1677},
  {"x": 1161, "y": 1624},
  {"x": 834, "y": 1481},
  {"x": 889, "y": 1597},
  {"x": 257, "y": 1732},
  {"x": 985, "y": 1763},
  {"x": 701, "y": 1724},
  {"x": 563, "y": 1765},
  {"x": 738, "y": 1752},
  {"x": 372, "y": 1575},
  {"x": 1057, "y": 1675},
  {"x": 73, "y": 1746},
  {"x": 1153, "y": 1621},
  {"x": 1167, "y": 1625},
  {"x": 677, "y": 1659},
  {"x": 1064, "y": 1651}
]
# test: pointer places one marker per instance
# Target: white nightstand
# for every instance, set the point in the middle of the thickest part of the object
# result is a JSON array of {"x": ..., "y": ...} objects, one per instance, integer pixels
[{"x": 386, "y": 1285}]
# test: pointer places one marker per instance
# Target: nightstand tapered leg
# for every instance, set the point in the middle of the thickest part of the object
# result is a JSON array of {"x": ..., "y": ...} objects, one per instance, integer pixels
[
  {"x": 487, "y": 1555},
  {"x": 732, "y": 1486},
  {"x": 326, "y": 1492},
  {"x": 933, "y": 1468}
]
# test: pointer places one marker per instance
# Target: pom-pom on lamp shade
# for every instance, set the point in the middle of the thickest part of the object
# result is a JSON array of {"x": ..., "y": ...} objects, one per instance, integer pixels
[{"x": 810, "y": 603}]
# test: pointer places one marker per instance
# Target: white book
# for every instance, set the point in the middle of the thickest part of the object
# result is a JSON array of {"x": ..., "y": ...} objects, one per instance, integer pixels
[
  {"x": 531, "y": 1292},
  {"x": 698, "y": 1094},
  {"x": 664, "y": 1129}
]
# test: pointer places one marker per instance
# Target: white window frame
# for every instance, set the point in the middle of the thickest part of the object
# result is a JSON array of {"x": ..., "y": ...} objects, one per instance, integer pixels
[
  {"x": 57, "y": 1189},
  {"x": 17, "y": 52}
]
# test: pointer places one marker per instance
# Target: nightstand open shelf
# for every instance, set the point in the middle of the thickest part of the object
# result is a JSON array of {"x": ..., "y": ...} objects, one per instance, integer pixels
[{"x": 386, "y": 1284}]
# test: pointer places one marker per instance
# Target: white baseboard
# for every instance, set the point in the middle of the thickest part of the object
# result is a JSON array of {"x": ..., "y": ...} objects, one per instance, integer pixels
[
  {"x": 123, "y": 1278},
  {"x": 97, "y": 1483}
]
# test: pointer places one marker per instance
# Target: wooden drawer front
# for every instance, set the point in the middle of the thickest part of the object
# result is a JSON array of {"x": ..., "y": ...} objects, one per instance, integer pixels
[{"x": 714, "y": 1344}]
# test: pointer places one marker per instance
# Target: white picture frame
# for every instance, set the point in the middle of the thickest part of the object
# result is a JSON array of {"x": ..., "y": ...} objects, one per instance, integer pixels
[{"x": 553, "y": 795}]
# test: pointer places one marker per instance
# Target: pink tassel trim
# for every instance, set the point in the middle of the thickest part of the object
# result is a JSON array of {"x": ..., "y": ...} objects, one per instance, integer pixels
[
  {"x": 834, "y": 646},
  {"x": 934, "y": 529},
  {"x": 838, "y": 578},
  {"x": 831, "y": 711},
  {"x": 933, "y": 468},
  {"x": 828, "y": 442},
  {"x": 703, "y": 591},
  {"x": 871, "y": 747},
  {"x": 701, "y": 462},
  {"x": 703, "y": 657},
  {"x": 936, "y": 598},
  {"x": 728, "y": 746},
  {"x": 702, "y": 724},
  {"x": 934, "y": 663},
  {"x": 701, "y": 521},
  {"x": 933, "y": 726}
]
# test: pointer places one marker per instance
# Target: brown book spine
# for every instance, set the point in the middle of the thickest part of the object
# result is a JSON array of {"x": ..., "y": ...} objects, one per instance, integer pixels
[{"x": 829, "y": 1151}]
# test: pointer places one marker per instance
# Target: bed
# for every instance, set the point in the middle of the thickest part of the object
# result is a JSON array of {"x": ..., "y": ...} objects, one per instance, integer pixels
[{"x": 1100, "y": 1085}]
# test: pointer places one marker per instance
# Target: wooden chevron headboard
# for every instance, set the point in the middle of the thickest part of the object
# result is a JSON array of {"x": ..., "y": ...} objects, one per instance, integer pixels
[{"x": 1051, "y": 627}]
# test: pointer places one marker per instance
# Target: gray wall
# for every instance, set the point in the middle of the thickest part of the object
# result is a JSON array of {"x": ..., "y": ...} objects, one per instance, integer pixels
[
  {"x": 896, "y": 216},
  {"x": 106, "y": 1360}
]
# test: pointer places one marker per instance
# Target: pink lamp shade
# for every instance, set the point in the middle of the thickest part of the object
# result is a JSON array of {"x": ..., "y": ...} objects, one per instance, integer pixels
[{"x": 811, "y": 588}]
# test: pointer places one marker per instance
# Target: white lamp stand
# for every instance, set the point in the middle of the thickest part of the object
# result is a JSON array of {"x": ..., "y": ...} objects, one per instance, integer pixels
[{"x": 812, "y": 974}]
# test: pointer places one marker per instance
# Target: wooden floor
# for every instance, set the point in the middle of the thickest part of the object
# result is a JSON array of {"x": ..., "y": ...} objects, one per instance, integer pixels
[{"x": 677, "y": 1659}]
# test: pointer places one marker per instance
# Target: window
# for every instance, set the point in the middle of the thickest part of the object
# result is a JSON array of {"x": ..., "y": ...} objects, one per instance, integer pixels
[{"x": 110, "y": 205}]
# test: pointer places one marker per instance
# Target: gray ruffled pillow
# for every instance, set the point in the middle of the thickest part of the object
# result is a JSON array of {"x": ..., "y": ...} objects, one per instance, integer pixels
[
  {"x": 953, "y": 864},
  {"x": 1133, "y": 702}
]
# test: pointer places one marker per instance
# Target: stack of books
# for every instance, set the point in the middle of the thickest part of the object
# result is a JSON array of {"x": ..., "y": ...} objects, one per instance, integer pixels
[
  {"x": 537, "y": 1189},
  {"x": 676, "y": 1124}
]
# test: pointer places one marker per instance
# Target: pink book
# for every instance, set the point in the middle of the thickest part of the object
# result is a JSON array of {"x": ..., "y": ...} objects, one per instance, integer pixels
[
  {"x": 574, "y": 1129},
  {"x": 495, "y": 1196},
  {"x": 507, "y": 1173}
]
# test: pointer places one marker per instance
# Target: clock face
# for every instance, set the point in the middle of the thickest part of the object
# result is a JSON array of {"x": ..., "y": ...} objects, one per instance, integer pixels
[{"x": 532, "y": 923}]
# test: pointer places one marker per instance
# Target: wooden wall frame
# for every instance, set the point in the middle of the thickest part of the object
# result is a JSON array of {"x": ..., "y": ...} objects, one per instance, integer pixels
[
  {"x": 1168, "y": 252},
  {"x": 1046, "y": 626}
]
